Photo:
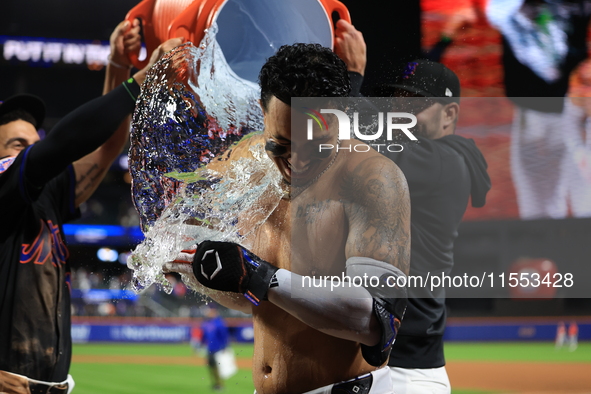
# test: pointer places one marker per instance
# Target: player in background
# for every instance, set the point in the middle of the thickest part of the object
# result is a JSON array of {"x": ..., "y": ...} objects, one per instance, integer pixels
[
  {"x": 444, "y": 172},
  {"x": 42, "y": 184}
]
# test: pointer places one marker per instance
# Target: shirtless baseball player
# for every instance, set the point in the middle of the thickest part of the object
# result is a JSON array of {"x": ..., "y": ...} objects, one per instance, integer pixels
[{"x": 347, "y": 212}]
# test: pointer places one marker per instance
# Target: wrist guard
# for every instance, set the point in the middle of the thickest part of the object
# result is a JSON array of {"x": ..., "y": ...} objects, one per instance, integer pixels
[
  {"x": 227, "y": 266},
  {"x": 389, "y": 303}
]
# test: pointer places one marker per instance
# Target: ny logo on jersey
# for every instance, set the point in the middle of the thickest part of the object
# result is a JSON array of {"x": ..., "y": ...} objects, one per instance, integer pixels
[{"x": 48, "y": 243}]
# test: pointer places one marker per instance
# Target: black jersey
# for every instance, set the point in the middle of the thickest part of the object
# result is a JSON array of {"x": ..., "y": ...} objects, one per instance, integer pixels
[
  {"x": 442, "y": 174},
  {"x": 35, "y": 338}
]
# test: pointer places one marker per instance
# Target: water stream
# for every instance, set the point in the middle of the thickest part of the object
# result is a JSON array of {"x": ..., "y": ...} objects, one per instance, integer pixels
[{"x": 191, "y": 110}]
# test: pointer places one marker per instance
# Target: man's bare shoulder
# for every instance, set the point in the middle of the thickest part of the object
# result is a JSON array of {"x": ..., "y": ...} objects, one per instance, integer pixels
[
  {"x": 372, "y": 163},
  {"x": 377, "y": 200},
  {"x": 240, "y": 149}
]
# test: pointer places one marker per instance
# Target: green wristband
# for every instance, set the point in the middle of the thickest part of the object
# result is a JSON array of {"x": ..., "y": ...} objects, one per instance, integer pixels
[{"x": 125, "y": 83}]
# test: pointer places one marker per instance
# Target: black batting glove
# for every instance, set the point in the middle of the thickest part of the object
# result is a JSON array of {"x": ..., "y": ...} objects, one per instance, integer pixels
[{"x": 227, "y": 266}]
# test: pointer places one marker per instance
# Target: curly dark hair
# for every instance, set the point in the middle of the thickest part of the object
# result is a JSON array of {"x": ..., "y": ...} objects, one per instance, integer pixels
[
  {"x": 303, "y": 70},
  {"x": 17, "y": 114}
]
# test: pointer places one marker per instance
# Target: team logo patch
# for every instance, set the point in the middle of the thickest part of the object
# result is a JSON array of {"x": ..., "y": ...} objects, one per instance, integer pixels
[
  {"x": 47, "y": 246},
  {"x": 218, "y": 264},
  {"x": 409, "y": 70},
  {"x": 6, "y": 162}
]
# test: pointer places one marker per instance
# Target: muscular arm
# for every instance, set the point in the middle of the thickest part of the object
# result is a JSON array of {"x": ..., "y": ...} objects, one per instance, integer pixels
[
  {"x": 100, "y": 121},
  {"x": 77, "y": 134},
  {"x": 379, "y": 213},
  {"x": 92, "y": 168},
  {"x": 378, "y": 206},
  {"x": 376, "y": 202},
  {"x": 343, "y": 312}
]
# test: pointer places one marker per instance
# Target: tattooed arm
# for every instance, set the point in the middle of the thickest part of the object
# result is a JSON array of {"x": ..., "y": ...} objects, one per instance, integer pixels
[{"x": 377, "y": 203}]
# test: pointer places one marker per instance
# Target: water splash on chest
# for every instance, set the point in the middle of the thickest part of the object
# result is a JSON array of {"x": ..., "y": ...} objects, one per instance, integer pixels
[{"x": 192, "y": 109}]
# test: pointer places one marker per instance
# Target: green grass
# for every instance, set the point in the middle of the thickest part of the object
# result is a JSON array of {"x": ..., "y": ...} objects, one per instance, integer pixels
[
  {"x": 115, "y": 378},
  {"x": 516, "y": 351},
  {"x": 141, "y": 379},
  {"x": 513, "y": 351}
]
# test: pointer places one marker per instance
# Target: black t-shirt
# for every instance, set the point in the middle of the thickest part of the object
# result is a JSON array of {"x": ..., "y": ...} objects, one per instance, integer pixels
[
  {"x": 441, "y": 174},
  {"x": 35, "y": 338}
]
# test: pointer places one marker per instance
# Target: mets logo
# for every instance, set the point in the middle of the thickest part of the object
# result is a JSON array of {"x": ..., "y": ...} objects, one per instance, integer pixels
[
  {"x": 409, "y": 70},
  {"x": 47, "y": 245},
  {"x": 68, "y": 278},
  {"x": 6, "y": 162}
]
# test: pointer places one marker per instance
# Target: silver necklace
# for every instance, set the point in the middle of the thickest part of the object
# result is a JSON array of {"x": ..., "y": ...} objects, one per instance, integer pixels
[{"x": 294, "y": 191}]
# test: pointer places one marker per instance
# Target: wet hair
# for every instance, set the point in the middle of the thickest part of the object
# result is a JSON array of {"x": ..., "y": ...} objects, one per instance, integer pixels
[
  {"x": 17, "y": 114},
  {"x": 303, "y": 70}
]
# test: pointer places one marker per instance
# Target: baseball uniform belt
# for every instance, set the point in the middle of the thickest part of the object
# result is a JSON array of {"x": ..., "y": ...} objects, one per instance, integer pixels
[
  {"x": 41, "y": 388},
  {"x": 12, "y": 383},
  {"x": 358, "y": 386}
]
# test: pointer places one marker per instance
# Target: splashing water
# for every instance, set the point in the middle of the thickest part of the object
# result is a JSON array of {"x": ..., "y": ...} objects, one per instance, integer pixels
[
  {"x": 220, "y": 208},
  {"x": 192, "y": 108}
]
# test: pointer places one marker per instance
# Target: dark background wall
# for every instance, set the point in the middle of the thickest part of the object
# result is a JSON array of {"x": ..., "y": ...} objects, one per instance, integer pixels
[
  {"x": 63, "y": 87},
  {"x": 495, "y": 246},
  {"x": 392, "y": 32}
]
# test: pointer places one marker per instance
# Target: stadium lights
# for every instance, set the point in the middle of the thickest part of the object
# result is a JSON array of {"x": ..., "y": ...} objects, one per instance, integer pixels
[
  {"x": 44, "y": 51},
  {"x": 107, "y": 255},
  {"x": 93, "y": 234}
]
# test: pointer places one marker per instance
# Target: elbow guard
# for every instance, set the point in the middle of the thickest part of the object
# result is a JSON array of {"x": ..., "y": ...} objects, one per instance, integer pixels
[{"x": 389, "y": 303}]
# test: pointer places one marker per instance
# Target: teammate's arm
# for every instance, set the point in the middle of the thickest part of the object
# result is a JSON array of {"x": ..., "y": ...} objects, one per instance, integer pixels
[
  {"x": 91, "y": 169},
  {"x": 79, "y": 133},
  {"x": 350, "y": 47}
]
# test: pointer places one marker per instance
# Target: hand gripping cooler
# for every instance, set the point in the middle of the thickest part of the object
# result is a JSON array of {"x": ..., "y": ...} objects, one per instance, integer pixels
[{"x": 248, "y": 31}]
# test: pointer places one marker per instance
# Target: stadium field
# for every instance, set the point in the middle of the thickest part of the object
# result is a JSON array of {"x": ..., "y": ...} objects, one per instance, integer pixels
[{"x": 477, "y": 368}]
